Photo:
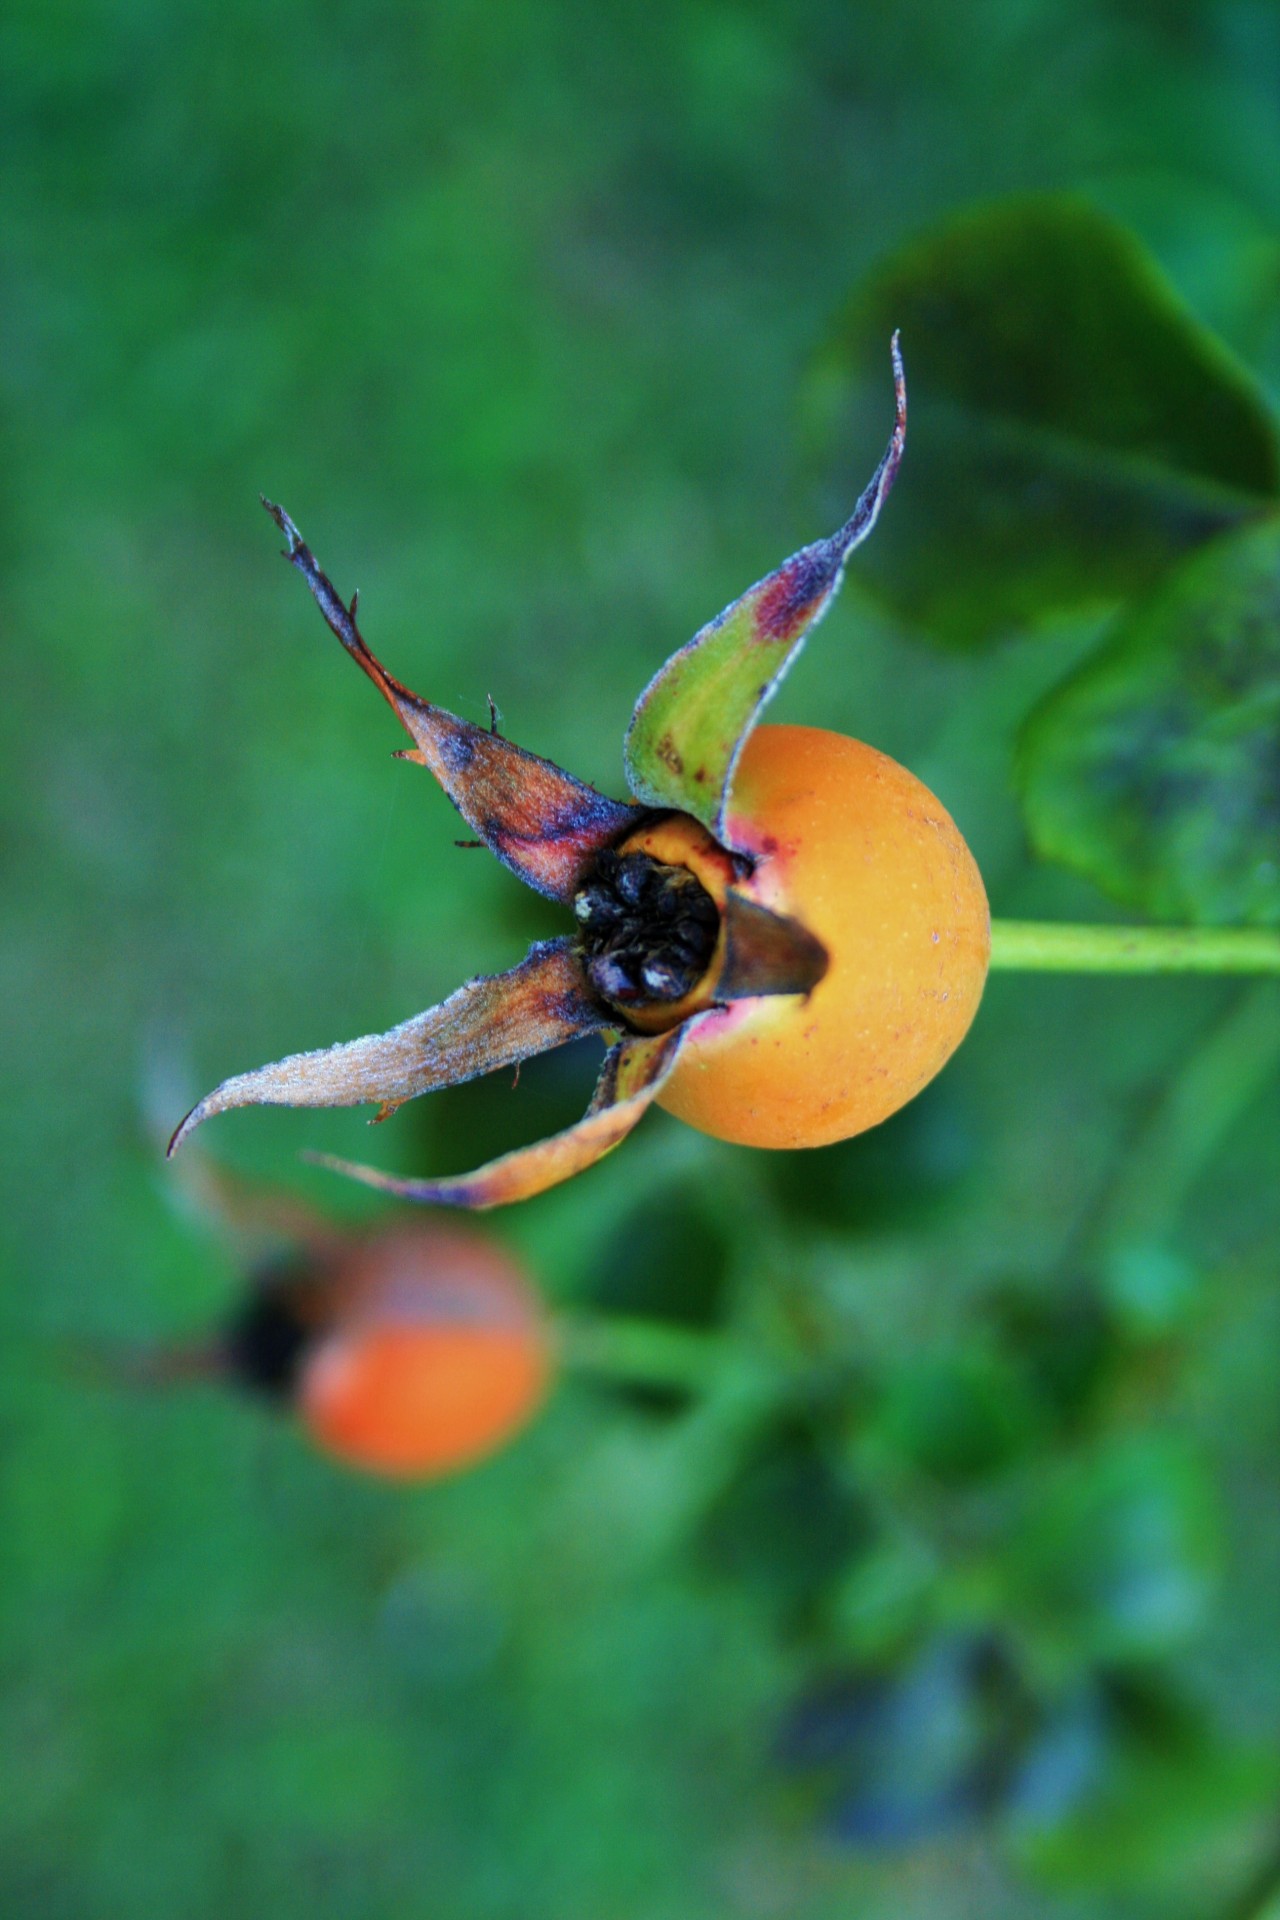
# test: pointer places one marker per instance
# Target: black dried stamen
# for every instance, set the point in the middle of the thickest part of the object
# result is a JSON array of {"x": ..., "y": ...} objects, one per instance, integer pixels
[{"x": 648, "y": 931}]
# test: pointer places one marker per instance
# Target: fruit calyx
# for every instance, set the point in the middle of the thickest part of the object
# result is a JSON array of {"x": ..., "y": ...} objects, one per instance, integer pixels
[
  {"x": 647, "y": 931},
  {"x": 660, "y": 941}
]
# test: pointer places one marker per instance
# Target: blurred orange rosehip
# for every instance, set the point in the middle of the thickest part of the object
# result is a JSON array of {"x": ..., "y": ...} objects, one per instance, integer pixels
[{"x": 419, "y": 1351}]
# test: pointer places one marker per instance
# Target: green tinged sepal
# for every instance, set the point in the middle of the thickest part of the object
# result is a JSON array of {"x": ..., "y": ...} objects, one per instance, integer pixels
[{"x": 693, "y": 719}]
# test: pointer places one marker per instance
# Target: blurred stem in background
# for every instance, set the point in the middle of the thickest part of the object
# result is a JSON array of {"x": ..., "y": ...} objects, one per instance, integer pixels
[
  {"x": 1224, "y": 1073},
  {"x": 644, "y": 1352},
  {"x": 1032, "y": 946},
  {"x": 736, "y": 1391}
]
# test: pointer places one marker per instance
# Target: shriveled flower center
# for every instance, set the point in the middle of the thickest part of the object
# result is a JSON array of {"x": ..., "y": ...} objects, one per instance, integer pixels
[{"x": 648, "y": 931}]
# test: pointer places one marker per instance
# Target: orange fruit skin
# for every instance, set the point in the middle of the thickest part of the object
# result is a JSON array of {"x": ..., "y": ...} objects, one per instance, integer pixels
[
  {"x": 433, "y": 1355},
  {"x": 857, "y": 849}
]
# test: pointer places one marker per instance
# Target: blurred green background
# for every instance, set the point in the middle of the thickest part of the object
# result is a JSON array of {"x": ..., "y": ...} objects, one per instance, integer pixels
[{"x": 515, "y": 308}]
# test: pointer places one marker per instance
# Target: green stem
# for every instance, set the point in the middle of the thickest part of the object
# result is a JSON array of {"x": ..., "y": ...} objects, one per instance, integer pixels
[
  {"x": 1043, "y": 946},
  {"x": 644, "y": 1352}
]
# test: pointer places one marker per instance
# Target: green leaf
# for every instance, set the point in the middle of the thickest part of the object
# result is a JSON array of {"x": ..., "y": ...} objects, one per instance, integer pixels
[
  {"x": 1155, "y": 769},
  {"x": 1075, "y": 429},
  {"x": 692, "y": 720},
  {"x": 1119, "y": 1553}
]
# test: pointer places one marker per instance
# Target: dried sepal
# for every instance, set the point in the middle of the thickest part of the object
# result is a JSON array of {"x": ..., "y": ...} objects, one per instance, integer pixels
[
  {"x": 490, "y": 1022},
  {"x": 543, "y": 824},
  {"x": 693, "y": 718},
  {"x": 630, "y": 1079},
  {"x": 765, "y": 952}
]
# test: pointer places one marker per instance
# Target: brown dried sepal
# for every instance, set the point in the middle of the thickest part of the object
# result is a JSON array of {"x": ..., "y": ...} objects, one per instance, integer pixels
[
  {"x": 493, "y": 1021},
  {"x": 543, "y": 824},
  {"x": 630, "y": 1080}
]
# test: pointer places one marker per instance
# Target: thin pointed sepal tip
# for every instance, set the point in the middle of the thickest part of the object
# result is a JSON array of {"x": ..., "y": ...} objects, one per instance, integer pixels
[
  {"x": 286, "y": 526},
  {"x": 421, "y": 1191},
  {"x": 899, "y": 383},
  {"x": 334, "y": 1163},
  {"x": 187, "y": 1126}
]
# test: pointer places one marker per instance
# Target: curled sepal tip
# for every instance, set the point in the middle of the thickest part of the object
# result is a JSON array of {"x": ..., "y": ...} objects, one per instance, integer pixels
[
  {"x": 543, "y": 824},
  {"x": 630, "y": 1079},
  {"x": 490, "y": 1022},
  {"x": 693, "y": 718}
]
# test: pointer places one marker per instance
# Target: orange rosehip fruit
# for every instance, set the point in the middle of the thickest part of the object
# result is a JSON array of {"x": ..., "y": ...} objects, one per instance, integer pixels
[
  {"x": 420, "y": 1353},
  {"x": 859, "y": 852}
]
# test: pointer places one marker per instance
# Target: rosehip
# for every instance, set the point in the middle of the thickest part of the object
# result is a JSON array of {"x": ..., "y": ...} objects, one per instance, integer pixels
[
  {"x": 784, "y": 929},
  {"x": 857, "y": 850},
  {"x": 410, "y": 1352},
  {"x": 418, "y": 1353}
]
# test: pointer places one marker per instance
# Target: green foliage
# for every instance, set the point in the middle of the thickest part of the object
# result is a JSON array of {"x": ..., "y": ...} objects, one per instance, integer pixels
[
  {"x": 1118, "y": 1558},
  {"x": 959, "y": 1418},
  {"x": 1074, "y": 428},
  {"x": 1155, "y": 770},
  {"x": 942, "y": 1579},
  {"x": 1078, "y": 436}
]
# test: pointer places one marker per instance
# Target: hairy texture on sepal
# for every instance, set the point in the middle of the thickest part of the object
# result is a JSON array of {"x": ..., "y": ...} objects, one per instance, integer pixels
[
  {"x": 490, "y": 1022},
  {"x": 694, "y": 717},
  {"x": 630, "y": 1080},
  {"x": 543, "y": 824}
]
